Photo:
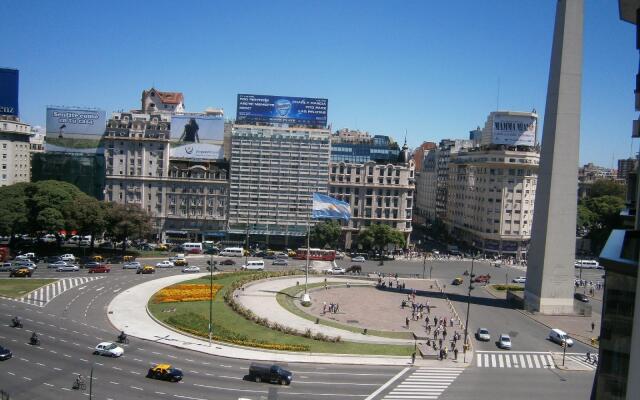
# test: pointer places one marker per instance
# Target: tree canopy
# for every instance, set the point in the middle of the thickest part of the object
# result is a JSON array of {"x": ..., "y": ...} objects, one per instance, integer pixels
[
  {"x": 379, "y": 236},
  {"x": 326, "y": 233},
  {"x": 599, "y": 212}
]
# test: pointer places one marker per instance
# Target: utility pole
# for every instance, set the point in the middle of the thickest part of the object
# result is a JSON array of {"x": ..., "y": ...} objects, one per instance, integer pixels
[
  {"x": 466, "y": 323},
  {"x": 91, "y": 383},
  {"x": 211, "y": 267},
  {"x": 424, "y": 266}
]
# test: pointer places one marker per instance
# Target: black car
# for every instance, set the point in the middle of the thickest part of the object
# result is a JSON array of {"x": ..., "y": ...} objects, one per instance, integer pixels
[
  {"x": 270, "y": 373},
  {"x": 228, "y": 261},
  {"x": 212, "y": 250},
  {"x": 5, "y": 353},
  {"x": 165, "y": 372},
  {"x": 581, "y": 297}
]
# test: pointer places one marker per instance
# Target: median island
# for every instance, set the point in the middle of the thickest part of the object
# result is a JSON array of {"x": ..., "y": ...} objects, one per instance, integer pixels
[
  {"x": 185, "y": 307},
  {"x": 18, "y": 287}
]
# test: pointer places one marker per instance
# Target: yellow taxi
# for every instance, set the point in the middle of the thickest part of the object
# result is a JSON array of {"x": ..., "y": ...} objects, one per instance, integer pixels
[
  {"x": 457, "y": 281},
  {"x": 21, "y": 273},
  {"x": 165, "y": 372},
  {"x": 97, "y": 259},
  {"x": 128, "y": 258},
  {"x": 147, "y": 269},
  {"x": 180, "y": 262},
  {"x": 162, "y": 247}
]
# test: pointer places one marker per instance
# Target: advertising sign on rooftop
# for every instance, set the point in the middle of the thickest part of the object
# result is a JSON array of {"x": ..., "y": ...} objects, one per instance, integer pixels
[
  {"x": 304, "y": 111},
  {"x": 514, "y": 130},
  {"x": 198, "y": 151},
  {"x": 197, "y": 128},
  {"x": 75, "y": 121},
  {"x": 9, "y": 82}
]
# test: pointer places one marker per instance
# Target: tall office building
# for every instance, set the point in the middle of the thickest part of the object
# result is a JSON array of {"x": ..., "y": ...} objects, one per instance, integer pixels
[
  {"x": 274, "y": 172},
  {"x": 15, "y": 150},
  {"x": 625, "y": 166},
  {"x": 376, "y": 177}
]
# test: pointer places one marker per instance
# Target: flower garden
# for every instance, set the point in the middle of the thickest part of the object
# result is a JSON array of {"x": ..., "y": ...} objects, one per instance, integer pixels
[{"x": 187, "y": 292}]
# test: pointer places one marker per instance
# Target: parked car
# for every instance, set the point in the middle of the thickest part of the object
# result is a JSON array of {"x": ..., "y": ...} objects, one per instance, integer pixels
[
  {"x": 147, "y": 269},
  {"x": 358, "y": 259},
  {"x": 4, "y": 267},
  {"x": 57, "y": 264},
  {"x": 68, "y": 257},
  {"x": 280, "y": 261},
  {"x": 504, "y": 342},
  {"x": 270, "y": 373},
  {"x": 131, "y": 265},
  {"x": 560, "y": 336},
  {"x": 520, "y": 279},
  {"x": 228, "y": 261},
  {"x": 191, "y": 269},
  {"x": 165, "y": 372},
  {"x": 581, "y": 297},
  {"x": 108, "y": 349},
  {"x": 335, "y": 271},
  {"x": 483, "y": 334},
  {"x": 164, "y": 264},
  {"x": 99, "y": 269},
  {"x": 5, "y": 353},
  {"x": 26, "y": 257},
  {"x": 26, "y": 264},
  {"x": 68, "y": 268},
  {"x": 21, "y": 273}
]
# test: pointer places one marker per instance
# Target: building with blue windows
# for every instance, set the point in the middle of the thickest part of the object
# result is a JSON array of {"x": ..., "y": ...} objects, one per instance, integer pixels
[{"x": 359, "y": 147}]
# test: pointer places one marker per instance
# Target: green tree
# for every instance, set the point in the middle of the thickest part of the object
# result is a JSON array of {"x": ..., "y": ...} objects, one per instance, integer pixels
[
  {"x": 326, "y": 233},
  {"x": 125, "y": 222},
  {"x": 50, "y": 219},
  {"x": 379, "y": 236},
  {"x": 88, "y": 217},
  {"x": 606, "y": 187},
  {"x": 13, "y": 212}
]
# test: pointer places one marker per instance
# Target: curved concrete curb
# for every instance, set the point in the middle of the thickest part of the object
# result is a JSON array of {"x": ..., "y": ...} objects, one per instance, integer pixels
[{"x": 128, "y": 312}]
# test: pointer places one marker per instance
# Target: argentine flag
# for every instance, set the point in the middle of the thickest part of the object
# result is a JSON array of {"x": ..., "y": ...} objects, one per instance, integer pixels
[{"x": 328, "y": 207}]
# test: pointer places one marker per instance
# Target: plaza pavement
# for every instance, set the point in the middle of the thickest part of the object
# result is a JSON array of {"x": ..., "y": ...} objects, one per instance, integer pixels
[{"x": 128, "y": 312}]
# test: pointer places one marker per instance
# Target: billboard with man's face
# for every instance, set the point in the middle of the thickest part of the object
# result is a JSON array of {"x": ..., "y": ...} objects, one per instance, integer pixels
[
  {"x": 197, "y": 128},
  {"x": 9, "y": 80},
  {"x": 252, "y": 108}
]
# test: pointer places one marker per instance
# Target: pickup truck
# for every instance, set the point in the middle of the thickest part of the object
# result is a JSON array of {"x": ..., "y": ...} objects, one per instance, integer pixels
[{"x": 269, "y": 373}]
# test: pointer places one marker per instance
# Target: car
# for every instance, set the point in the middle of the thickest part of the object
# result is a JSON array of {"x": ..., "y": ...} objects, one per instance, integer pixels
[
  {"x": 26, "y": 257},
  {"x": 57, "y": 264},
  {"x": 335, "y": 271},
  {"x": 6, "y": 266},
  {"x": 482, "y": 278},
  {"x": 108, "y": 349},
  {"x": 358, "y": 259},
  {"x": 559, "y": 336},
  {"x": 581, "y": 297},
  {"x": 180, "y": 262},
  {"x": 280, "y": 261},
  {"x": 191, "y": 269},
  {"x": 339, "y": 255},
  {"x": 457, "y": 281},
  {"x": 99, "y": 269},
  {"x": 68, "y": 257},
  {"x": 228, "y": 261},
  {"x": 68, "y": 268},
  {"x": 25, "y": 264},
  {"x": 21, "y": 272},
  {"x": 147, "y": 269},
  {"x": 483, "y": 334},
  {"x": 270, "y": 373},
  {"x": 164, "y": 264},
  {"x": 504, "y": 342},
  {"x": 212, "y": 251},
  {"x": 92, "y": 264},
  {"x": 131, "y": 265},
  {"x": 281, "y": 254},
  {"x": 165, "y": 372},
  {"x": 520, "y": 279},
  {"x": 5, "y": 353}
]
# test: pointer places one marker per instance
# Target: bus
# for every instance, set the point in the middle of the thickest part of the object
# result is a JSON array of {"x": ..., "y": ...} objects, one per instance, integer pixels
[
  {"x": 316, "y": 254},
  {"x": 192, "y": 248}
]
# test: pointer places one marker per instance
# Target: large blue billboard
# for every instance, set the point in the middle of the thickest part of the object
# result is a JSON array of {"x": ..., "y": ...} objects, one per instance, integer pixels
[
  {"x": 282, "y": 110},
  {"x": 9, "y": 91}
]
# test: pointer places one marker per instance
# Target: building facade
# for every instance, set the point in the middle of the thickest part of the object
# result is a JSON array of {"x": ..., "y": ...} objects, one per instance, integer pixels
[
  {"x": 420, "y": 152},
  {"x": 625, "y": 166},
  {"x": 446, "y": 149},
  {"x": 491, "y": 196},
  {"x": 379, "y": 190},
  {"x": 274, "y": 172},
  {"x": 15, "y": 150}
]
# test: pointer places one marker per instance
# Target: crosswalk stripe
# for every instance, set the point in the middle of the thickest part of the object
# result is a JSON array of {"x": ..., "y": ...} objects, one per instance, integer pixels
[
  {"x": 522, "y": 360},
  {"x": 424, "y": 383},
  {"x": 42, "y": 296},
  {"x": 535, "y": 361}
]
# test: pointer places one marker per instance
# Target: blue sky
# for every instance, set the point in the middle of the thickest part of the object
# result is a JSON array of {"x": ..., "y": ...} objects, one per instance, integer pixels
[{"x": 428, "y": 67}]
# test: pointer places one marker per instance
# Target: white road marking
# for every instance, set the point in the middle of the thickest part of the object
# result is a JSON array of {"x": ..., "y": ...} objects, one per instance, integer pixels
[{"x": 387, "y": 384}]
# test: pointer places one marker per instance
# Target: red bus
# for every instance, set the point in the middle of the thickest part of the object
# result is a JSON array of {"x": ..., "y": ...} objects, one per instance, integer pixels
[{"x": 316, "y": 254}]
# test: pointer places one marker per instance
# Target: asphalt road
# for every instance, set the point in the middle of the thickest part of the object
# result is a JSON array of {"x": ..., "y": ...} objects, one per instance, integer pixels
[{"x": 74, "y": 322}]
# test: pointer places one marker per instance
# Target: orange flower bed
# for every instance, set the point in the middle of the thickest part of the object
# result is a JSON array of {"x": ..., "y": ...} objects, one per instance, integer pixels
[{"x": 186, "y": 292}]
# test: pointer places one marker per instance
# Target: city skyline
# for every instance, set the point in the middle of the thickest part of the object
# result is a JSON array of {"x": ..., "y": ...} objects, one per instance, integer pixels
[{"x": 416, "y": 58}]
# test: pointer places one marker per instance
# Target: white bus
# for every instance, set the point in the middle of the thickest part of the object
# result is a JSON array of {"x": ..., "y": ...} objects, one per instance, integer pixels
[
  {"x": 587, "y": 264},
  {"x": 254, "y": 265},
  {"x": 192, "y": 248},
  {"x": 232, "y": 252}
]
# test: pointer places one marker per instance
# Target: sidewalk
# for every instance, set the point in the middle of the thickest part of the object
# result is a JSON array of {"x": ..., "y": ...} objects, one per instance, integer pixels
[{"x": 128, "y": 312}]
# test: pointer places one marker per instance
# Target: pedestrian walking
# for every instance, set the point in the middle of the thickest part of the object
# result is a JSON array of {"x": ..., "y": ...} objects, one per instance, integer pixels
[
  {"x": 407, "y": 322},
  {"x": 440, "y": 342},
  {"x": 455, "y": 353},
  {"x": 593, "y": 326},
  {"x": 324, "y": 307},
  {"x": 413, "y": 358}
]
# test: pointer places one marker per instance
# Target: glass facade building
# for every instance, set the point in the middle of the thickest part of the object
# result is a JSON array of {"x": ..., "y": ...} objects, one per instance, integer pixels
[
  {"x": 380, "y": 149},
  {"x": 85, "y": 170}
]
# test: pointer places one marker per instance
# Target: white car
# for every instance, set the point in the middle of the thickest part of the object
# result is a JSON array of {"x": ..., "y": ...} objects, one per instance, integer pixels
[
  {"x": 483, "y": 334},
  {"x": 25, "y": 257},
  {"x": 358, "y": 259},
  {"x": 68, "y": 257},
  {"x": 164, "y": 264},
  {"x": 108, "y": 349},
  {"x": 520, "y": 279},
  {"x": 26, "y": 264},
  {"x": 335, "y": 271},
  {"x": 504, "y": 342},
  {"x": 68, "y": 268},
  {"x": 131, "y": 265},
  {"x": 560, "y": 336},
  {"x": 58, "y": 264},
  {"x": 191, "y": 268}
]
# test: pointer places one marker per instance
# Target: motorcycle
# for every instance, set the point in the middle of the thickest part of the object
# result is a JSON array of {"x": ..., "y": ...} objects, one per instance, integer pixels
[
  {"x": 79, "y": 384},
  {"x": 16, "y": 323},
  {"x": 123, "y": 339},
  {"x": 466, "y": 273},
  {"x": 34, "y": 341}
]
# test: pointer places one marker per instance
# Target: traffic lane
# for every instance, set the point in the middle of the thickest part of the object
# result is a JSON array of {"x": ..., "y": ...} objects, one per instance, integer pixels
[{"x": 519, "y": 384}]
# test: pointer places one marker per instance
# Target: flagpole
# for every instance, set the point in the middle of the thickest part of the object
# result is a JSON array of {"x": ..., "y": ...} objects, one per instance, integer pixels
[{"x": 306, "y": 274}]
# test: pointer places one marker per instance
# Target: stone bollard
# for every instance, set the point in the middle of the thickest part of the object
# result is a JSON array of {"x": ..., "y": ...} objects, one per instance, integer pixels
[
  {"x": 317, "y": 320},
  {"x": 364, "y": 331}
]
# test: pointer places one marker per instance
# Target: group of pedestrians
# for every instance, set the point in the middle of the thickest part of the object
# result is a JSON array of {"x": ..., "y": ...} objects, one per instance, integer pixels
[{"x": 332, "y": 308}]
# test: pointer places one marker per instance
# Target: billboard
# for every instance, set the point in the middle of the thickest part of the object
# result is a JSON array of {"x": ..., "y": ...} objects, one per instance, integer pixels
[
  {"x": 514, "y": 130},
  {"x": 310, "y": 112},
  {"x": 9, "y": 82},
  {"x": 198, "y": 151},
  {"x": 197, "y": 128},
  {"x": 75, "y": 121}
]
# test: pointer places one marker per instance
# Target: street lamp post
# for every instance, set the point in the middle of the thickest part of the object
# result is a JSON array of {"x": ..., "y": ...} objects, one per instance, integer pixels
[
  {"x": 91, "y": 383},
  {"x": 466, "y": 323},
  {"x": 424, "y": 266},
  {"x": 211, "y": 268},
  {"x": 430, "y": 269}
]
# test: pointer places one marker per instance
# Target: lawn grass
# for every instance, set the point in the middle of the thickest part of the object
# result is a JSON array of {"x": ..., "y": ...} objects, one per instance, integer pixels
[
  {"x": 18, "y": 287},
  {"x": 502, "y": 288},
  {"x": 228, "y": 320},
  {"x": 286, "y": 300}
]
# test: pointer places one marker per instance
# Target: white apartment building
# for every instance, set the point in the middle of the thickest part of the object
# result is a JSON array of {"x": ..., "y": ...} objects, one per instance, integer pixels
[
  {"x": 491, "y": 196},
  {"x": 15, "y": 150},
  {"x": 274, "y": 172}
]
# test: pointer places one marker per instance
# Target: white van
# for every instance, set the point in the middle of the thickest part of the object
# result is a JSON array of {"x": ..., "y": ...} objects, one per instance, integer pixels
[
  {"x": 587, "y": 264},
  {"x": 232, "y": 252},
  {"x": 192, "y": 248},
  {"x": 559, "y": 336},
  {"x": 254, "y": 265}
]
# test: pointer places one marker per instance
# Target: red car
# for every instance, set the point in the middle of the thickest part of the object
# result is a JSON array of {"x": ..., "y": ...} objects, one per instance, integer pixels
[
  {"x": 482, "y": 279},
  {"x": 100, "y": 269}
]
